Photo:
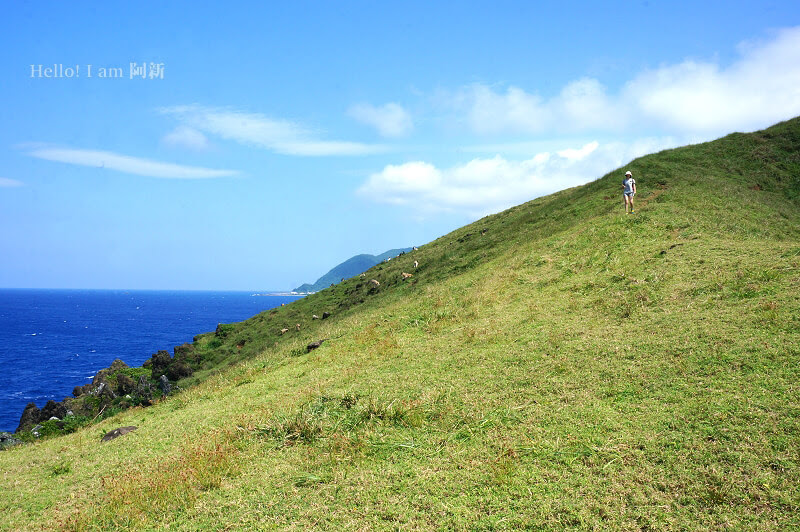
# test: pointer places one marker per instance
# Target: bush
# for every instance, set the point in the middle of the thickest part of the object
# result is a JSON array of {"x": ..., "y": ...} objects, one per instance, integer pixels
[
  {"x": 178, "y": 370},
  {"x": 135, "y": 373},
  {"x": 224, "y": 329},
  {"x": 159, "y": 364},
  {"x": 125, "y": 385}
]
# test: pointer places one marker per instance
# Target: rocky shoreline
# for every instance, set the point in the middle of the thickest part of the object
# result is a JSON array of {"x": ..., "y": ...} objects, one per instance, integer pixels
[{"x": 112, "y": 390}]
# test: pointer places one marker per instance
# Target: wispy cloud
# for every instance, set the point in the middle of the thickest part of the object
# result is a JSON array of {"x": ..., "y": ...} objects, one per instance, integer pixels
[
  {"x": 693, "y": 97},
  {"x": 488, "y": 185},
  {"x": 9, "y": 183},
  {"x": 127, "y": 164},
  {"x": 186, "y": 137},
  {"x": 581, "y": 105},
  {"x": 254, "y": 129},
  {"x": 391, "y": 120},
  {"x": 578, "y": 154},
  {"x": 760, "y": 88}
]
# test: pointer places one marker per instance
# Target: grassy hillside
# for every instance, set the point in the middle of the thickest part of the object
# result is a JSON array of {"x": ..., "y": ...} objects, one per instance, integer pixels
[{"x": 557, "y": 365}]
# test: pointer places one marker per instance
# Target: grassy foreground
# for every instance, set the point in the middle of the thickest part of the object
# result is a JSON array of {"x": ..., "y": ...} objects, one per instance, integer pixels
[{"x": 558, "y": 365}]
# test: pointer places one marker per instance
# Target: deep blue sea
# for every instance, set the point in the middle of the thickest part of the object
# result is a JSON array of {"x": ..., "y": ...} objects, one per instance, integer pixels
[{"x": 54, "y": 340}]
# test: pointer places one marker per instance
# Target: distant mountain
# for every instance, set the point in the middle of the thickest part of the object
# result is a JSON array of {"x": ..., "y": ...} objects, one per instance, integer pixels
[{"x": 349, "y": 268}]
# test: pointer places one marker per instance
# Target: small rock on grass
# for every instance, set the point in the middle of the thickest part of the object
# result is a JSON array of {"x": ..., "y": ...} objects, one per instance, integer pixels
[
  {"x": 116, "y": 433},
  {"x": 313, "y": 345},
  {"x": 8, "y": 440}
]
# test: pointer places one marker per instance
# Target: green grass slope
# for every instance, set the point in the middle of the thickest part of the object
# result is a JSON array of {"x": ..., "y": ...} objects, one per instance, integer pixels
[{"x": 556, "y": 365}]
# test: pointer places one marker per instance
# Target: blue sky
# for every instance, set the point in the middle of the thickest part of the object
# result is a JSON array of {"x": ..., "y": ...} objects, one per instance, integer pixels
[{"x": 267, "y": 142}]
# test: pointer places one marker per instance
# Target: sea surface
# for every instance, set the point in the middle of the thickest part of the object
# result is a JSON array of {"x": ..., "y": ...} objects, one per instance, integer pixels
[{"x": 54, "y": 340}]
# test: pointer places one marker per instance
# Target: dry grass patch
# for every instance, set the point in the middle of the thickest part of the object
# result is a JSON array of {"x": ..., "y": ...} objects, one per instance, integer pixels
[{"x": 140, "y": 498}]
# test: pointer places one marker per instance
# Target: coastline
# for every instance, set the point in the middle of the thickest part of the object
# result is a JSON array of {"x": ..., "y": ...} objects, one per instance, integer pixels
[
  {"x": 284, "y": 294},
  {"x": 80, "y": 332}
]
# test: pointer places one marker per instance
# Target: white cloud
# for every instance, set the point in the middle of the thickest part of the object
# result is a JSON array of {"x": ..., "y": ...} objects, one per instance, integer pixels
[
  {"x": 8, "y": 183},
  {"x": 488, "y": 185},
  {"x": 515, "y": 111},
  {"x": 581, "y": 105},
  {"x": 761, "y": 87},
  {"x": 126, "y": 163},
  {"x": 580, "y": 153},
  {"x": 186, "y": 137},
  {"x": 391, "y": 120},
  {"x": 255, "y": 129},
  {"x": 320, "y": 148}
]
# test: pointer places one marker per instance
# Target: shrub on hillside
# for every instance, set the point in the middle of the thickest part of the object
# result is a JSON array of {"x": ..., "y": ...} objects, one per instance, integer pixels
[
  {"x": 178, "y": 370},
  {"x": 159, "y": 363}
]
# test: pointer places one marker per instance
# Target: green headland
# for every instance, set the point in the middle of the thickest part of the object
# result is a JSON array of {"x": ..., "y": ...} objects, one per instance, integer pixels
[{"x": 557, "y": 365}]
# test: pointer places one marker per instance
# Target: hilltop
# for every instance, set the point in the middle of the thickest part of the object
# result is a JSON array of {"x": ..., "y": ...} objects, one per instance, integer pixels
[
  {"x": 349, "y": 268},
  {"x": 559, "y": 364}
]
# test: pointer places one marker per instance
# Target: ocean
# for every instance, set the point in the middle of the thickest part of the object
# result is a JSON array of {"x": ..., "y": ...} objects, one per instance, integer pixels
[{"x": 54, "y": 340}]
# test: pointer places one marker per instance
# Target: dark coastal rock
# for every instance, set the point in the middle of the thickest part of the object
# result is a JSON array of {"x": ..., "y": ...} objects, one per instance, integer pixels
[
  {"x": 106, "y": 388},
  {"x": 185, "y": 356},
  {"x": 116, "y": 433},
  {"x": 313, "y": 345},
  {"x": 100, "y": 383},
  {"x": 164, "y": 385},
  {"x": 66, "y": 407},
  {"x": 8, "y": 440},
  {"x": 159, "y": 364},
  {"x": 178, "y": 370},
  {"x": 104, "y": 392},
  {"x": 110, "y": 386},
  {"x": 103, "y": 375},
  {"x": 144, "y": 391},
  {"x": 177, "y": 367},
  {"x": 52, "y": 409},
  {"x": 29, "y": 418},
  {"x": 184, "y": 352},
  {"x": 125, "y": 385},
  {"x": 144, "y": 388}
]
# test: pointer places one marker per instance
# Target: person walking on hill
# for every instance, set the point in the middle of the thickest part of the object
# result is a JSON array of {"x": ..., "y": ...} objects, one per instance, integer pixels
[{"x": 628, "y": 191}]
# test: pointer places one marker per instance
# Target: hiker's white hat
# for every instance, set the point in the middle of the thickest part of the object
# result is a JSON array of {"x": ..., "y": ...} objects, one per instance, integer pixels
[{"x": 628, "y": 173}]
